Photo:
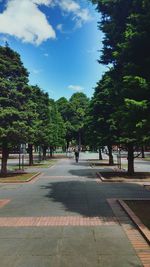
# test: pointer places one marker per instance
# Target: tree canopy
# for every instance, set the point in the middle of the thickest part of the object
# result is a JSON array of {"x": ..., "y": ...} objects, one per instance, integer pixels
[{"x": 126, "y": 43}]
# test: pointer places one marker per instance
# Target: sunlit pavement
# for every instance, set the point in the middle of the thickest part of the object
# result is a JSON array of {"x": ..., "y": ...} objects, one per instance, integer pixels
[{"x": 63, "y": 219}]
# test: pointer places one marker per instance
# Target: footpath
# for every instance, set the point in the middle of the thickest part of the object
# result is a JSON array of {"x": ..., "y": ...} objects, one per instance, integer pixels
[{"x": 66, "y": 218}]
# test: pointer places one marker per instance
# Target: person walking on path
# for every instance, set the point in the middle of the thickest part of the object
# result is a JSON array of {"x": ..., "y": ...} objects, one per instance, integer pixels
[{"x": 76, "y": 153}]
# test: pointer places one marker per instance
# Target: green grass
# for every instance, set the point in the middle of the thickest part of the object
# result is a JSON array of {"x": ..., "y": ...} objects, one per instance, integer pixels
[
  {"x": 42, "y": 164},
  {"x": 16, "y": 177},
  {"x": 141, "y": 208},
  {"x": 147, "y": 158}
]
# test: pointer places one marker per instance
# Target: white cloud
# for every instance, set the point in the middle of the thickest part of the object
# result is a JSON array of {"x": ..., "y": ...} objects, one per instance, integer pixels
[
  {"x": 59, "y": 27},
  {"x": 77, "y": 88},
  {"x": 24, "y": 20},
  {"x": 80, "y": 15}
]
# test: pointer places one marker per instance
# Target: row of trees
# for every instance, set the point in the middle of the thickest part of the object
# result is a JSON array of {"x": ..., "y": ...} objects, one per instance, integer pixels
[
  {"x": 74, "y": 113},
  {"x": 119, "y": 110},
  {"x": 27, "y": 115}
]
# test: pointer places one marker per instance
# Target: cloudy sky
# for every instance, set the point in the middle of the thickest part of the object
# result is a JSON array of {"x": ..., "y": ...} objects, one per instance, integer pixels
[{"x": 58, "y": 41}]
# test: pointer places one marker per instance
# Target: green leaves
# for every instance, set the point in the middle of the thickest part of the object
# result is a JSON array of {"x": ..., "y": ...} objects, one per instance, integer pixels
[{"x": 120, "y": 108}]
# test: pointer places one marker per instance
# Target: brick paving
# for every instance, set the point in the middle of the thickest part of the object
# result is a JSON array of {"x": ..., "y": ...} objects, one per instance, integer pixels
[
  {"x": 140, "y": 245},
  {"x": 4, "y": 202},
  {"x": 55, "y": 221},
  {"x": 142, "y": 228}
]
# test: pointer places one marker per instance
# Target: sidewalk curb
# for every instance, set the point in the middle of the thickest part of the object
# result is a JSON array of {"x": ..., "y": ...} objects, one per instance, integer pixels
[
  {"x": 31, "y": 178},
  {"x": 100, "y": 177},
  {"x": 142, "y": 228}
]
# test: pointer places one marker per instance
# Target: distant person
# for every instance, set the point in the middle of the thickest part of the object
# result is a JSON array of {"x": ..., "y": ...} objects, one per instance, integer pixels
[{"x": 76, "y": 153}]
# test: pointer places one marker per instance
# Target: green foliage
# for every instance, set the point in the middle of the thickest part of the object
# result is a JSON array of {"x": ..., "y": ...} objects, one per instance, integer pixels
[
  {"x": 100, "y": 124},
  {"x": 16, "y": 108},
  {"x": 74, "y": 113}
]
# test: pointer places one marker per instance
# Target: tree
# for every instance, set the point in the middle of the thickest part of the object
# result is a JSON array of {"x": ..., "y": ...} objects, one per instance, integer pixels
[
  {"x": 126, "y": 46},
  {"x": 16, "y": 108},
  {"x": 66, "y": 111},
  {"x": 50, "y": 129},
  {"x": 57, "y": 127},
  {"x": 101, "y": 126},
  {"x": 74, "y": 113},
  {"x": 79, "y": 103}
]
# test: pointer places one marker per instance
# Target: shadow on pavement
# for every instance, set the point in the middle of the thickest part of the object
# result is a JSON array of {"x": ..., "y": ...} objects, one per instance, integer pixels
[
  {"x": 80, "y": 163},
  {"x": 88, "y": 173},
  {"x": 88, "y": 198}
]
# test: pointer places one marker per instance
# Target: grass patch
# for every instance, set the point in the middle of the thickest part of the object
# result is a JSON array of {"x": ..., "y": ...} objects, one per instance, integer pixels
[
  {"x": 141, "y": 208},
  {"x": 42, "y": 164},
  {"x": 16, "y": 177},
  {"x": 147, "y": 158},
  {"x": 103, "y": 162},
  {"x": 122, "y": 176}
]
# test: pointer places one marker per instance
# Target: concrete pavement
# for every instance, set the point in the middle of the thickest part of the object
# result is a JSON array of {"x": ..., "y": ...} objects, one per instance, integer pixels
[{"x": 63, "y": 219}]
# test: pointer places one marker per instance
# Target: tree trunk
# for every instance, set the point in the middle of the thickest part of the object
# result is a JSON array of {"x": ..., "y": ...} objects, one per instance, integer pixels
[
  {"x": 30, "y": 149},
  {"x": 111, "y": 160},
  {"x": 100, "y": 154},
  {"x": 67, "y": 144},
  {"x": 142, "y": 151},
  {"x": 130, "y": 159},
  {"x": 44, "y": 152},
  {"x": 79, "y": 140},
  {"x": 40, "y": 158},
  {"x": 51, "y": 151},
  {"x": 5, "y": 154}
]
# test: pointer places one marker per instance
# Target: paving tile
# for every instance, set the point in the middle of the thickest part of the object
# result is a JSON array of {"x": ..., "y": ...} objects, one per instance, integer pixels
[
  {"x": 111, "y": 232},
  {"x": 121, "y": 261},
  {"x": 74, "y": 260},
  {"x": 114, "y": 246},
  {"x": 30, "y": 261}
]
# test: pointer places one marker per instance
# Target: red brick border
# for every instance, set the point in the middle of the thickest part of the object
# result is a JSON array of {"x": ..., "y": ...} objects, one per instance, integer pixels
[
  {"x": 4, "y": 202},
  {"x": 137, "y": 240},
  {"x": 143, "y": 229},
  {"x": 56, "y": 221}
]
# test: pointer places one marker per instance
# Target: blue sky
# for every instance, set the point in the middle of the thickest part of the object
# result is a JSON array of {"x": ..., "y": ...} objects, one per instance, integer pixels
[{"x": 58, "y": 41}]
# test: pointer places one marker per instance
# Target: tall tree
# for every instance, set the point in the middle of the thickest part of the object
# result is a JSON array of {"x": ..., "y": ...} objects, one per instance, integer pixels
[
  {"x": 16, "y": 108},
  {"x": 102, "y": 129},
  {"x": 79, "y": 103},
  {"x": 126, "y": 43},
  {"x": 66, "y": 111}
]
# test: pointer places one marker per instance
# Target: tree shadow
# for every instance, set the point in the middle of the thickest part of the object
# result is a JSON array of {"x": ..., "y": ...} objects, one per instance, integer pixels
[
  {"x": 79, "y": 197},
  {"x": 80, "y": 163},
  {"x": 88, "y": 198},
  {"x": 87, "y": 173}
]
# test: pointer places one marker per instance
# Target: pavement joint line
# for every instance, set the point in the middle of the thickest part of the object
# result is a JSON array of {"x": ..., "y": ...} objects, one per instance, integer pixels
[
  {"x": 4, "y": 202},
  {"x": 141, "y": 247},
  {"x": 56, "y": 221}
]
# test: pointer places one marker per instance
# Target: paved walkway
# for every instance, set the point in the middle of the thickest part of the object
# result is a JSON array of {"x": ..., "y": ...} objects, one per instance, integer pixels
[{"x": 63, "y": 219}]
